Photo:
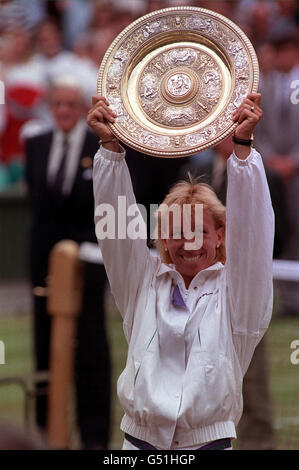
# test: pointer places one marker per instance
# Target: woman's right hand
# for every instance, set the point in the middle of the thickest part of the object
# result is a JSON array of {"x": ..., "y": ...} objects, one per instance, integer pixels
[{"x": 98, "y": 117}]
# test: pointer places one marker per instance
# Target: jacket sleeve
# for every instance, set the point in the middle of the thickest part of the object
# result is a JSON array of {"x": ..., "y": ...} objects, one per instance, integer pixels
[
  {"x": 249, "y": 247},
  {"x": 123, "y": 241}
]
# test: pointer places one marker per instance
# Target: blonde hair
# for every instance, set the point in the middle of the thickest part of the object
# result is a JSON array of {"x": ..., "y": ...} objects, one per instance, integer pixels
[{"x": 192, "y": 193}]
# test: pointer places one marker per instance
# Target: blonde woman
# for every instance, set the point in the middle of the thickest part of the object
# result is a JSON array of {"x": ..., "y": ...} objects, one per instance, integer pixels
[{"x": 192, "y": 318}]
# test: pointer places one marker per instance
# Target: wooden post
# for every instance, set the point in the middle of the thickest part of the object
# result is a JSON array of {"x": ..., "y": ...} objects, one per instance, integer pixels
[{"x": 64, "y": 303}]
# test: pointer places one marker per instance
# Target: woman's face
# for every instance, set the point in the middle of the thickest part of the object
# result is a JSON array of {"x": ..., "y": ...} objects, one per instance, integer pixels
[{"x": 188, "y": 262}]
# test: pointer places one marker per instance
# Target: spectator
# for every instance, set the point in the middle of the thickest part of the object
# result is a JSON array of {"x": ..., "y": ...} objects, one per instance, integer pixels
[
  {"x": 285, "y": 21},
  {"x": 261, "y": 20},
  {"x": 222, "y": 7},
  {"x": 102, "y": 14},
  {"x": 57, "y": 61},
  {"x": 59, "y": 176},
  {"x": 25, "y": 90},
  {"x": 278, "y": 141},
  {"x": 21, "y": 12},
  {"x": 91, "y": 47},
  {"x": 153, "y": 5},
  {"x": 266, "y": 58},
  {"x": 75, "y": 20},
  {"x": 123, "y": 16}
]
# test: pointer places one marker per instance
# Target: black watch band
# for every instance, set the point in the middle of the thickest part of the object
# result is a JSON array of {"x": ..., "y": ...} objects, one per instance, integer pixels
[{"x": 246, "y": 142}]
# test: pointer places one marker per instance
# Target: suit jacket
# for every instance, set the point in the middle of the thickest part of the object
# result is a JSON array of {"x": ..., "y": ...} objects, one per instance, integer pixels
[{"x": 63, "y": 217}]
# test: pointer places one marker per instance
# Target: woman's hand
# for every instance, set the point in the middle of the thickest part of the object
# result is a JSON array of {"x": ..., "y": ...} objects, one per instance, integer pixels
[
  {"x": 99, "y": 115},
  {"x": 247, "y": 116}
]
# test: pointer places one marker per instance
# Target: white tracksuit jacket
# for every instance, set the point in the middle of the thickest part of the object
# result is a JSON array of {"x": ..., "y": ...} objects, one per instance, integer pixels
[{"x": 182, "y": 384}]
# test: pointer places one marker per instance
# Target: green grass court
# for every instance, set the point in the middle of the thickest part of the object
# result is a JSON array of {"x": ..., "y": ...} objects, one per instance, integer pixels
[{"x": 15, "y": 332}]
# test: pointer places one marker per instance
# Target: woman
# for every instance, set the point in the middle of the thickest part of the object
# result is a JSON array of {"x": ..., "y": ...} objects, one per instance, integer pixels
[{"x": 192, "y": 322}]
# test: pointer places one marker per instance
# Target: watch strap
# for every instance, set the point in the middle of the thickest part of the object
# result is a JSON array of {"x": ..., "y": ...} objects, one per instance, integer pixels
[{"x": 246, "y": 142}]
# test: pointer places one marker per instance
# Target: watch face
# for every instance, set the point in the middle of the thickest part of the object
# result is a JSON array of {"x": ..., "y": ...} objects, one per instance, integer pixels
[{"x": 174, "y": 78}]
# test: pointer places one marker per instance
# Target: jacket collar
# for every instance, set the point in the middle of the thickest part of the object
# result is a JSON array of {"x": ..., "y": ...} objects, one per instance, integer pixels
[{"x": 196, "y": 281}]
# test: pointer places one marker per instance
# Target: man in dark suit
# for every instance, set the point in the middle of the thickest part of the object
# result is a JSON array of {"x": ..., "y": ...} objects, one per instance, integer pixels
[{"x": 59, "y": 177}]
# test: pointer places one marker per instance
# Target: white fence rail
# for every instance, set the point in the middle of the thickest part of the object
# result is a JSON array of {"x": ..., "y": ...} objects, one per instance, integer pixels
[{"x": 283, "y": 270}]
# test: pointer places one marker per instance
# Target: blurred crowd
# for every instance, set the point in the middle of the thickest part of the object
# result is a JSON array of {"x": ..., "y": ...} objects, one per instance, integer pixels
[{"x": 43, "y": 39}]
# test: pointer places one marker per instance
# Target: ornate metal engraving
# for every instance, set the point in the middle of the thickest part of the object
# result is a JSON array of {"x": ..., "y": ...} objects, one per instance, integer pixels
[{"x": 174, "y": 78}]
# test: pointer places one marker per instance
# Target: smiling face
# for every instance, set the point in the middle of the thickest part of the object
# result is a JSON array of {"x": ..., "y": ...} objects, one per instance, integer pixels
[{"x": 188, "y": 262}]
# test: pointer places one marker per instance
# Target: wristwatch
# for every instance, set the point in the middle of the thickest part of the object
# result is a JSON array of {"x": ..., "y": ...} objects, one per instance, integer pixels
[
  {"x": 246, "y": 142},
  {"x": 114, "y": 139}
]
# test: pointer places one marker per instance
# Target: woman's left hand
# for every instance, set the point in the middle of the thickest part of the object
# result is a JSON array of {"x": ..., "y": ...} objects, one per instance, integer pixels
[{"x": 248, "y": 115}]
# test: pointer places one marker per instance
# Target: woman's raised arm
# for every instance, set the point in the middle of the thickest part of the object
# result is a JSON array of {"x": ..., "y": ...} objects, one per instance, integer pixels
[
  {"x": 127, "y": 259},
  {"x": 249, "y": 239}
]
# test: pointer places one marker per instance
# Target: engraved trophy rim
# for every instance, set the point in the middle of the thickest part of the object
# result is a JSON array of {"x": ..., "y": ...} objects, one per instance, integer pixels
[{"x": 171, "y": 124}]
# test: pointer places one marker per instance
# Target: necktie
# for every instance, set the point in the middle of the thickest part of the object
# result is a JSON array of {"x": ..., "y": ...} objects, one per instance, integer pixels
[{"x": 59, "y": 178}]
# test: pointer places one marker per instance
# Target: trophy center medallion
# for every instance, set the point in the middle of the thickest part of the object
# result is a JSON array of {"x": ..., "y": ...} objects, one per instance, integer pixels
[
  {"x": 179, "y": 85},
  {"x": 179, "y": 88}
]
